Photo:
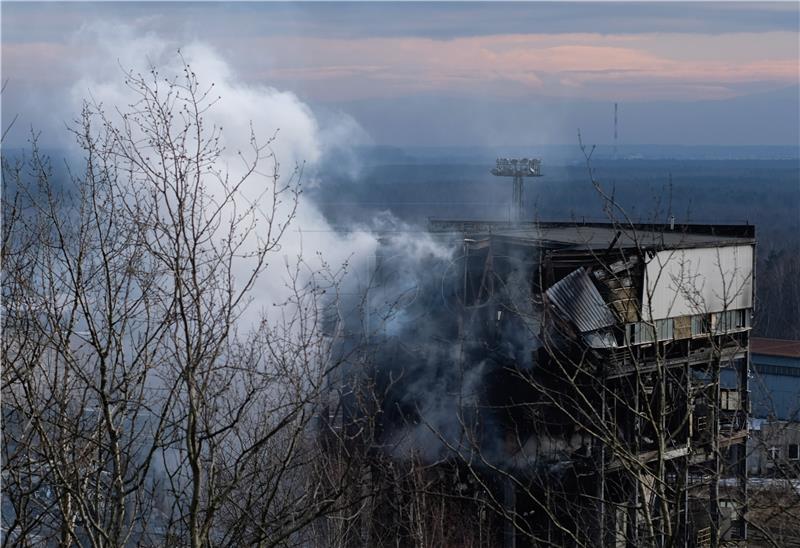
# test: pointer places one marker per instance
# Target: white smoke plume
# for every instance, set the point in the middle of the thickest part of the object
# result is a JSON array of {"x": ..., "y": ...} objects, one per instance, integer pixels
[
  {"x": 301, "y": 141},
  {"x": 409, "y": 258}
]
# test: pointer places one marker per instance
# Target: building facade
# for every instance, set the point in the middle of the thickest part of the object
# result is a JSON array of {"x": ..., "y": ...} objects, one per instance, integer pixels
[
  {"x": 774, "y": 447},
  {"x": 626, "y": 402}
]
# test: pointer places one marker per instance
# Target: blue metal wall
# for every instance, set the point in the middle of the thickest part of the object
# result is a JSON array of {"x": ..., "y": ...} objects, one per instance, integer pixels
[{"x": 774, "y": 387}]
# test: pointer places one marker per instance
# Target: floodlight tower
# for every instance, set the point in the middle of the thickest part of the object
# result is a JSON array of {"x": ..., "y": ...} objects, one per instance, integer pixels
[{"x": 519, "y": 169}]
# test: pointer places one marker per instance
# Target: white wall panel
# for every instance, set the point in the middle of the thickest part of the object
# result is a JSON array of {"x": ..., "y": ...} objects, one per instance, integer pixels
[{"x": 683, "y": 282}]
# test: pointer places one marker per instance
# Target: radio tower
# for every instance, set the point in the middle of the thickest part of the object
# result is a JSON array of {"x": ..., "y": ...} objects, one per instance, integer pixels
[
  {"x": 615, "y": 131},
  {"x": 518, "y": 169}
]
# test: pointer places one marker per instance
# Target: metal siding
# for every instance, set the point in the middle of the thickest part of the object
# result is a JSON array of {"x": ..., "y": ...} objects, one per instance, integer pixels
[
  {"x": 579, "y": 300},
  {"x": 771, "y": 395},
  {"x": 685, "y": 282}
]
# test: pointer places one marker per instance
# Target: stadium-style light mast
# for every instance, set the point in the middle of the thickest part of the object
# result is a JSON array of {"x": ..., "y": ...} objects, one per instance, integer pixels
[{"x": 519, "y": 169}]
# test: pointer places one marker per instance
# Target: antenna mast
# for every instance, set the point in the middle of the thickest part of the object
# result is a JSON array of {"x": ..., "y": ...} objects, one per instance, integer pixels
[
  {"x": 518, "y": 169},
  {"x": 615, "y": 131}
]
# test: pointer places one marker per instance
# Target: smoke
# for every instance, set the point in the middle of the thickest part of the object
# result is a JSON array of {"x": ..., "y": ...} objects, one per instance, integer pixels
[
  {"x": 401, "y": 296},
  {"x": 301, "y": 143},
  {"x": 439, "y": 350}
]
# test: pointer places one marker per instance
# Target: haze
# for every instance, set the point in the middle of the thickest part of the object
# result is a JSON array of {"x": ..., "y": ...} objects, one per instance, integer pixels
[{"x": 453, "y": 74}]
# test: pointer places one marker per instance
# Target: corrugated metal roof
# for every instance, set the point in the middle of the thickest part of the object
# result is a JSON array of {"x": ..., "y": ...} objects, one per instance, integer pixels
[{"x": 579, "y": 300}]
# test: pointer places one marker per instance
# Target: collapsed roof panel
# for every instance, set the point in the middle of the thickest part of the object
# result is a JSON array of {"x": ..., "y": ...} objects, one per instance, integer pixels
[{"x": 577, "y": 298}]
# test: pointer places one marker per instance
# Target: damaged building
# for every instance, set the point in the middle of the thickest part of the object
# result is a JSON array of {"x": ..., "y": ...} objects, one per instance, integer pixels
[
  {"x": 618, "y": 427},
  {"x": 560, "y": 384}
]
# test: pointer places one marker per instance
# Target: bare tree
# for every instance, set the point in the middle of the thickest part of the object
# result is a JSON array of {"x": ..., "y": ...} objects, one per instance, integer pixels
[
  {"x": 620, "y": 431},
  {"x": 139, "y": 405},
  {"x": 142, "y": 405}
]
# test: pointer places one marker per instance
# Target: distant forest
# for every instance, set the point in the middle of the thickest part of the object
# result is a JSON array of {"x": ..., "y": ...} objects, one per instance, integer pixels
[
  {"x": 414, "y": 187},
  {"x": 765, "y": 193}
]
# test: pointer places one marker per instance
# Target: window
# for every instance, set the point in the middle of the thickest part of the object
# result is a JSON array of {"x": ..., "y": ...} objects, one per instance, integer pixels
[
  {"x": 794, "y": 451},
  {"x": 729, "y": 400},
  {"x": 744, "y": 318},
  {"x": 639, "y": 333},
  {"x": 721, "y": 322},
  {"x": 642, "y": 332},
  {"x": 730, "y": 320},
  {"x": 699, "y": 325},
  {"x": 664, "y": 329}
]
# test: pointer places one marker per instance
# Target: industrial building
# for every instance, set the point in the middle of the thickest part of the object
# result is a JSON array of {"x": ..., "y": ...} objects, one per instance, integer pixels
[
  {"x": 775, "y": 382},
  {"x": 774, "y": 444},
  {"x": 607, "y": 374},
  {"x": 616, "y": 416}
]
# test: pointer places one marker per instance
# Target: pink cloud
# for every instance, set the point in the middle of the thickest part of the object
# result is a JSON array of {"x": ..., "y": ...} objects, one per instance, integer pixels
[
  {"x": 592, "y": 66},
  {"x": 554, "y": 64},
  {"x": 36, "y": 62}
]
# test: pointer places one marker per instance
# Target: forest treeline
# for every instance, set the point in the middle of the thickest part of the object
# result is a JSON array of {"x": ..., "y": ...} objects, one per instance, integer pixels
[{"x": 765, "y": 193}]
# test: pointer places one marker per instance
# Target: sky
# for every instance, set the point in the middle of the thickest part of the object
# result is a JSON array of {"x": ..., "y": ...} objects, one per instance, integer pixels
[{"x": 444, "y": 74}]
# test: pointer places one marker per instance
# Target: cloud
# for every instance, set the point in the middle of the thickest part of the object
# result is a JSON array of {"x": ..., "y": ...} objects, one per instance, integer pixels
[
  {"x": 547, "y": 64},
  {"x": 394, "y": 61}
]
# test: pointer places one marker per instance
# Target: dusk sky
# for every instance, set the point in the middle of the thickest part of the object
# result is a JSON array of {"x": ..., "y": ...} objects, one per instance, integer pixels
[{"x": 441, "y": 74}]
